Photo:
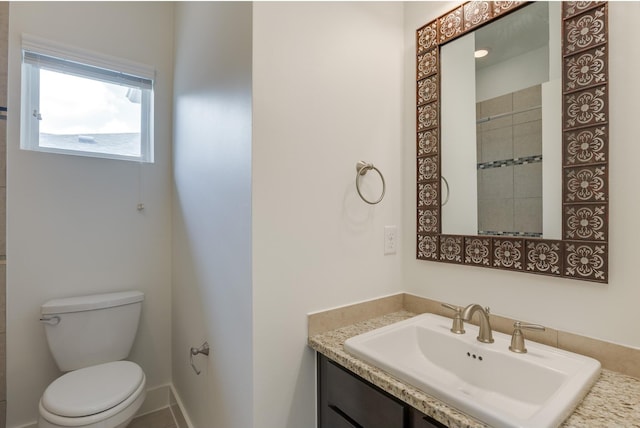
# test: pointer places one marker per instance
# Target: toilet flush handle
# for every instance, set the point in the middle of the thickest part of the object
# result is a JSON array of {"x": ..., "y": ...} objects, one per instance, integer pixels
[{"x": 54, "y": 320}]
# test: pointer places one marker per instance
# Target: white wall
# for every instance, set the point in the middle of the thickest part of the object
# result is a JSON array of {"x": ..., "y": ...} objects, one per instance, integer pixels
[
  {"x": 607, "y": 312},
  {"x": 323, "y": 98},
  {"x": 327, "y": 92},
  {"x": 514, "y": 74},
  {"x": 73, "y": 227},
  {"x": 212, "y": 212}
]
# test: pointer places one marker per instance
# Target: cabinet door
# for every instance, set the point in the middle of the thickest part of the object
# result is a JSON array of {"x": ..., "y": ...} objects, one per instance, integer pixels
[
  {"x": 334, "y": 418},
  {"x": 420, "y": 420},
  {"x": 357, "y": 403}
]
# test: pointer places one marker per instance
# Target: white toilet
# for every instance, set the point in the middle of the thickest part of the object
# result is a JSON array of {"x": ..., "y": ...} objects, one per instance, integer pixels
[{"x": 88, "y": 337}]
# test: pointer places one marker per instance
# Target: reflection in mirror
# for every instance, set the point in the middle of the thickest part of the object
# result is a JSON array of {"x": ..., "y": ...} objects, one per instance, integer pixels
[{"x": 501, "y": 148}]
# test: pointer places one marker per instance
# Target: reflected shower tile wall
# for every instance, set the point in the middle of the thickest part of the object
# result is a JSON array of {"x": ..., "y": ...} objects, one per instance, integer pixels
[
  {"x": 495, "y": 214},
  {"x": 527, "y": 180},
  {"x": 527, "y": 215},
  {"x": 509, "y": 161},
  {"x": 495, "y": 123},
  {"x": 497, "y": 105},
  {"x": 527, "y": 138},
  {"x": 497, "y": 183},
  {"x": 497, "y": 144},
  {"x": 525, "y": 99}
]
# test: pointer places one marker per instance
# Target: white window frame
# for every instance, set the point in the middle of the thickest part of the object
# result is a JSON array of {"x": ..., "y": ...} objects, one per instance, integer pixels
[{"x": 87, "y": 64}]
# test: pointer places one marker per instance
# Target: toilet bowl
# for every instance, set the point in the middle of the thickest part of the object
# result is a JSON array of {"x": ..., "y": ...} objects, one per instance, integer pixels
[
  {"x": 89, "y": 337},
  {"x": 103, "y": 396}
]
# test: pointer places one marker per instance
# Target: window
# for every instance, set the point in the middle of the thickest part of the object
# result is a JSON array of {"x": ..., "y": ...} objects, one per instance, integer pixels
[{"x": 75, "y": 102}]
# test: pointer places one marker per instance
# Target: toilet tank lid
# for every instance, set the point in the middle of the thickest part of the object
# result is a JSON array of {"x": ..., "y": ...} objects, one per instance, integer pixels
[{"x": 87, "y": 303}]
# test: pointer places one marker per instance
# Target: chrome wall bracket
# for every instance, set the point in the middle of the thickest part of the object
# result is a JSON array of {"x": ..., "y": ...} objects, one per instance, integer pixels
[{"x": 203, "y": 349}]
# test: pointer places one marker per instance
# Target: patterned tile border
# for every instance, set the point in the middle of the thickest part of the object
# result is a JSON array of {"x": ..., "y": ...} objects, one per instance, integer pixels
[
  {"x": 586, "y": 222},
  {"x": 502, "y": 7},
  {"x": 585, "y": 184},
  {"x": 543, "y": 257},
  {"x": 585, "y": 146},
  {"x": 428, "y": 221},
  {"x": 427, "y": 116},
  {"x": 586, "y": 108},
  {"x": 586, "y": 30},
  {"x": 585, "y": 260},
  {"x": 428, "y": 90},
  {"x": 451, "y": 248},
  {"x": 426, "y": 37},
  {"x": 573, "y": 8},
  {"x": 585, "y": 141},
  {"x": 508, "y": 253},
  {"x": 427, "y": 247},
  {"x": 428, "y": 168},
  {"x": 476, "y": 13},
  {"x": 585, "y": 138},
  {"x": 427, "y": 142},
  {"x": 450, "y": 25},
  {"x": 427, "y": 64},
  {"x": 428, "y": 195},
  {"x": 585, "y": 69},
  {"x": 477, "y": 250}
]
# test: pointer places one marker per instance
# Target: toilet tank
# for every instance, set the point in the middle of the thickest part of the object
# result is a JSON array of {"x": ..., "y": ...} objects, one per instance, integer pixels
[{"x": 87, "y": 330}]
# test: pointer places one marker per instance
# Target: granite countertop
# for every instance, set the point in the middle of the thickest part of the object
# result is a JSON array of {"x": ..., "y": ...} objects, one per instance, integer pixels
[{"x": 614, "y": 400}]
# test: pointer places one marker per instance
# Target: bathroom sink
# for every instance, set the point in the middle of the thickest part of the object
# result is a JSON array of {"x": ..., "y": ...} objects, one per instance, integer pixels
[{"x": 484, "y": 380}]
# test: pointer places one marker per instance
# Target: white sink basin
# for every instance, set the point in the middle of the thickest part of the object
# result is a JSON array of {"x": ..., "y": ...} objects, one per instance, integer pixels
[{"x": 486, "y": 381}]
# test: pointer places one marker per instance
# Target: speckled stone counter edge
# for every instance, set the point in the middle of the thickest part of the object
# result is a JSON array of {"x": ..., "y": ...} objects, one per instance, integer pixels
[{"x": 613, "y": 400}]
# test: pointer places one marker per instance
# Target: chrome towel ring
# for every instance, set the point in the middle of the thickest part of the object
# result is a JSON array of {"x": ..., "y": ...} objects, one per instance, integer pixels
[
  {"x": 446, "y": 185},
  {"x": 362, "y": 168}
]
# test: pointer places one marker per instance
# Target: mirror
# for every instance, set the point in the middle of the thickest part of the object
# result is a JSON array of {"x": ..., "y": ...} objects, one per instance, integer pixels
[{"x": 511, "y": 147}]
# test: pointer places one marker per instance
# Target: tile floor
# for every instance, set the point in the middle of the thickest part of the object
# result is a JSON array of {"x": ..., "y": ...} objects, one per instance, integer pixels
[{"x": 159, "y": 419}]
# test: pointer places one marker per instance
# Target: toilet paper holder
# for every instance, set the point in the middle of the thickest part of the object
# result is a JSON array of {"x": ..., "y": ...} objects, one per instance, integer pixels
[{"x": 203, "y": 349}]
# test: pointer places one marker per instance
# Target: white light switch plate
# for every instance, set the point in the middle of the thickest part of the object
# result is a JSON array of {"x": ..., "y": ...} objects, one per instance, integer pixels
[{"x": 390, "y": 239}]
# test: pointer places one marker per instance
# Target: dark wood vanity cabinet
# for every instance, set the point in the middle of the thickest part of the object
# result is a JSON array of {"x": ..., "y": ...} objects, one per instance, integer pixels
[
  {"x": 345, "y": 400},
  {"x": 418, "y": 419}
]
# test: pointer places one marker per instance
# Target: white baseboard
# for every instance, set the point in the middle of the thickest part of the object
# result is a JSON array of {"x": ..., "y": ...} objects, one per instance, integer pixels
[
  {"x": 178, "y": 411},
  {"x": 157, "y": 398}
]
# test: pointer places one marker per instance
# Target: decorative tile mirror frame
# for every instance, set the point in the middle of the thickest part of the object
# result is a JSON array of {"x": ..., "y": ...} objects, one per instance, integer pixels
[{"x": 583, "y": 251}]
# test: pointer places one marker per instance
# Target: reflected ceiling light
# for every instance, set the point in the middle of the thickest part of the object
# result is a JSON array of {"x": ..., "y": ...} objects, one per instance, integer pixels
[{"x": 480, "y": 53}]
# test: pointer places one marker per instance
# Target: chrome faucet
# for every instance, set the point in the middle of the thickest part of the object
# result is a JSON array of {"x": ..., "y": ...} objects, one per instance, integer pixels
[{"x": 484, "y": 335}]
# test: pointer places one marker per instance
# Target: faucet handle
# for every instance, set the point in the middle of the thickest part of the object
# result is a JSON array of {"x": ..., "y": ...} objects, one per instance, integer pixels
[
  {"x": 517, "y": 339},
  {"x": 458, "y": 325}
]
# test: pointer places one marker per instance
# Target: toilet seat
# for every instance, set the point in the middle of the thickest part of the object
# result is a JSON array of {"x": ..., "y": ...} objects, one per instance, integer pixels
[{"x": 92, "y": 394}]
